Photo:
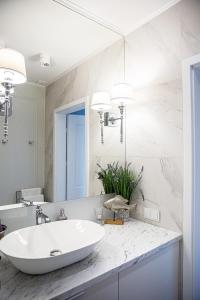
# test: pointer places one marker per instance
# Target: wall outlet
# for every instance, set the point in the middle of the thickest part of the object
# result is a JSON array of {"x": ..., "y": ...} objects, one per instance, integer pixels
[{"x": 152, "y": 214}]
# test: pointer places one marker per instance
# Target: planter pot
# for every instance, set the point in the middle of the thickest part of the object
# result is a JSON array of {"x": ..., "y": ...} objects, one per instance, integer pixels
[{"x": 124, "y": 215}]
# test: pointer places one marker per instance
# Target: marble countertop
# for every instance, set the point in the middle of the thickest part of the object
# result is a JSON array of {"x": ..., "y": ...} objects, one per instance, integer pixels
[{"x": 121, "y": 247}]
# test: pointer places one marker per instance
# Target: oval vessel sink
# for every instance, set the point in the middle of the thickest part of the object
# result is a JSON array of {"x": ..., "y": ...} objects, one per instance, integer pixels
[{"x": 43, "y": 248}]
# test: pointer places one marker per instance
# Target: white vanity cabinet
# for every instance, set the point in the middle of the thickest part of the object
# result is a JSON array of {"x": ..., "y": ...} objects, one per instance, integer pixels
[
  {"x": 137, "y": 261},
  {"x": 154, "y": 278}
]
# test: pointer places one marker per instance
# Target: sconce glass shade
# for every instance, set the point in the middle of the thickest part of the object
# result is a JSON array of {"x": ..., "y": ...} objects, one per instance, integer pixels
[
  {"x": 2, "y": 89},
  {"x": 2, "y": 94},
  {"x": 12, "y": 66},
  {"x": 122, "y": 93},
  {"x": 101, "y": 101}
]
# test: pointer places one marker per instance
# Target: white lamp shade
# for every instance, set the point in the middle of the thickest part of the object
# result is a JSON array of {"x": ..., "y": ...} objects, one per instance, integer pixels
[
  {"x": 122, "y": 93},
  {"x": 2, "y": 94},
  {"x": 101, "y": 101},
  {"x": 12, "y": 66}
]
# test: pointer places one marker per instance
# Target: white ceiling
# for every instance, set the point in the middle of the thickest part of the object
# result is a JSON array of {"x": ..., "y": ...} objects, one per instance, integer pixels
[{"x": 35, "y": 26}]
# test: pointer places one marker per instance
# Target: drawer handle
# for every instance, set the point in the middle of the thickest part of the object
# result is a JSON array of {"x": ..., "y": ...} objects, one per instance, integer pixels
[{"x": 76, "y": 296}]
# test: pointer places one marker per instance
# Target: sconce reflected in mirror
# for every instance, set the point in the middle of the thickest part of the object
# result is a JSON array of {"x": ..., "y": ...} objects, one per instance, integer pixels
[
  {"x": 12, "y": 72},
  {"x": 121, "y": 95},
  {"x": 101, "y": 103}
]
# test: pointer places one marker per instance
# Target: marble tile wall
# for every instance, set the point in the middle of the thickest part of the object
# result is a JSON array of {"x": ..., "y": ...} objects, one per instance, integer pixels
[{"x": 154, "y": 121}]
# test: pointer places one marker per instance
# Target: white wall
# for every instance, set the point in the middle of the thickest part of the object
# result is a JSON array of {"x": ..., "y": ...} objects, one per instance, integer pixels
[{"x": 21, "y": 164}]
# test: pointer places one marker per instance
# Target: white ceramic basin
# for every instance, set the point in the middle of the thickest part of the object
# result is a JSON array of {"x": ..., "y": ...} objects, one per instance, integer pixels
[{"x": 43, "y": 248}]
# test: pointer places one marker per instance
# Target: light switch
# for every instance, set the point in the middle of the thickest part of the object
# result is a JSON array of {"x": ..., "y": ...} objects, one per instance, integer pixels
[{"x": 152, "y": 214}]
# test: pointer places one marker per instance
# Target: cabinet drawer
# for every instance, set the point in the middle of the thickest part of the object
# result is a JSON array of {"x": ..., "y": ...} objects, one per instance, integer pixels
[
  {"x": 155, "y": 278},
  {"x": 106, "y": 289}
]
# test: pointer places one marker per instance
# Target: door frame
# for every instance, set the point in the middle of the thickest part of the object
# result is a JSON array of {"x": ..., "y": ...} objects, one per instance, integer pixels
[
  {"x": 190, "y": 219},
  {"x": 58, "y": 155}
]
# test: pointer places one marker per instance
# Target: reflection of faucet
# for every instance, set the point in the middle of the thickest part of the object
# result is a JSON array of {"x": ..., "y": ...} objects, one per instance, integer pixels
[
  {"x": 40, "y": 216},
  {"x": 26, "y": 202}
]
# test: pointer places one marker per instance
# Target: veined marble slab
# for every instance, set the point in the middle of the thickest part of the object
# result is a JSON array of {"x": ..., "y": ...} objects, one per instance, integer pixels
[{"x": 122, "y": 247}]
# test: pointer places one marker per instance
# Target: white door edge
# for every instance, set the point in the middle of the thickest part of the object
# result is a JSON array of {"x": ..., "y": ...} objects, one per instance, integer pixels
[{"x": 189, "y": 286}]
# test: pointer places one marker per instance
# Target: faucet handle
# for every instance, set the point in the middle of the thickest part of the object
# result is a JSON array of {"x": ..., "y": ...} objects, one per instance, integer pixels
[
  {"x": 62, "y": 215},
  {"x": 38, "y": 208}
]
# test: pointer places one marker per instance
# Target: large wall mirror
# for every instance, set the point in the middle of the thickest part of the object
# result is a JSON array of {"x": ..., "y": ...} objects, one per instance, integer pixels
[{"x": 54, "y": 137}]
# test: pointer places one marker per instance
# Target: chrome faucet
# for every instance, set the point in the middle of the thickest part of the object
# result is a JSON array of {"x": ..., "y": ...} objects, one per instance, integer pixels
[
  {"x": 26, "y": 202},
  {"x": 40, "y": 216}
]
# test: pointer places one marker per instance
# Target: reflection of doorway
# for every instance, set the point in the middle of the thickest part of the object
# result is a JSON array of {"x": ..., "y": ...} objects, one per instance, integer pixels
[
  {"x": 71, "y": 151},
  {"x": 75, "y": 155}
]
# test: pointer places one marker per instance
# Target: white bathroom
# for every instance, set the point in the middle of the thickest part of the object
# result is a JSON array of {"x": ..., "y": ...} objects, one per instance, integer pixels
[{"x": 99, "y": 143}]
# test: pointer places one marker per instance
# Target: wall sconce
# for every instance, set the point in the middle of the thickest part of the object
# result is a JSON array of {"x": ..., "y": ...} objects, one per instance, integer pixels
[
  {"x": 12, "y": 72},
  {"x": 121, "y": 95}
]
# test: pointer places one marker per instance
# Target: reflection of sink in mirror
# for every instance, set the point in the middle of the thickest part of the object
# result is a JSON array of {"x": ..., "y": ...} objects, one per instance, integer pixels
[
  {"x": 18, "y": 205},
  {"x": 43, "y": 248}
]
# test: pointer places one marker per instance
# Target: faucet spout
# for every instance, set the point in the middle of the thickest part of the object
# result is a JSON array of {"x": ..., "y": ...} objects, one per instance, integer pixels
[{"x": 40, "y": 216}]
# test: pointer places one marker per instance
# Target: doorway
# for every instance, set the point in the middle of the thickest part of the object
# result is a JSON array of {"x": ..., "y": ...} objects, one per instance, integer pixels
[
  {"x": 71, "y": 151},
  {"x": 191, "y": 199}
]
